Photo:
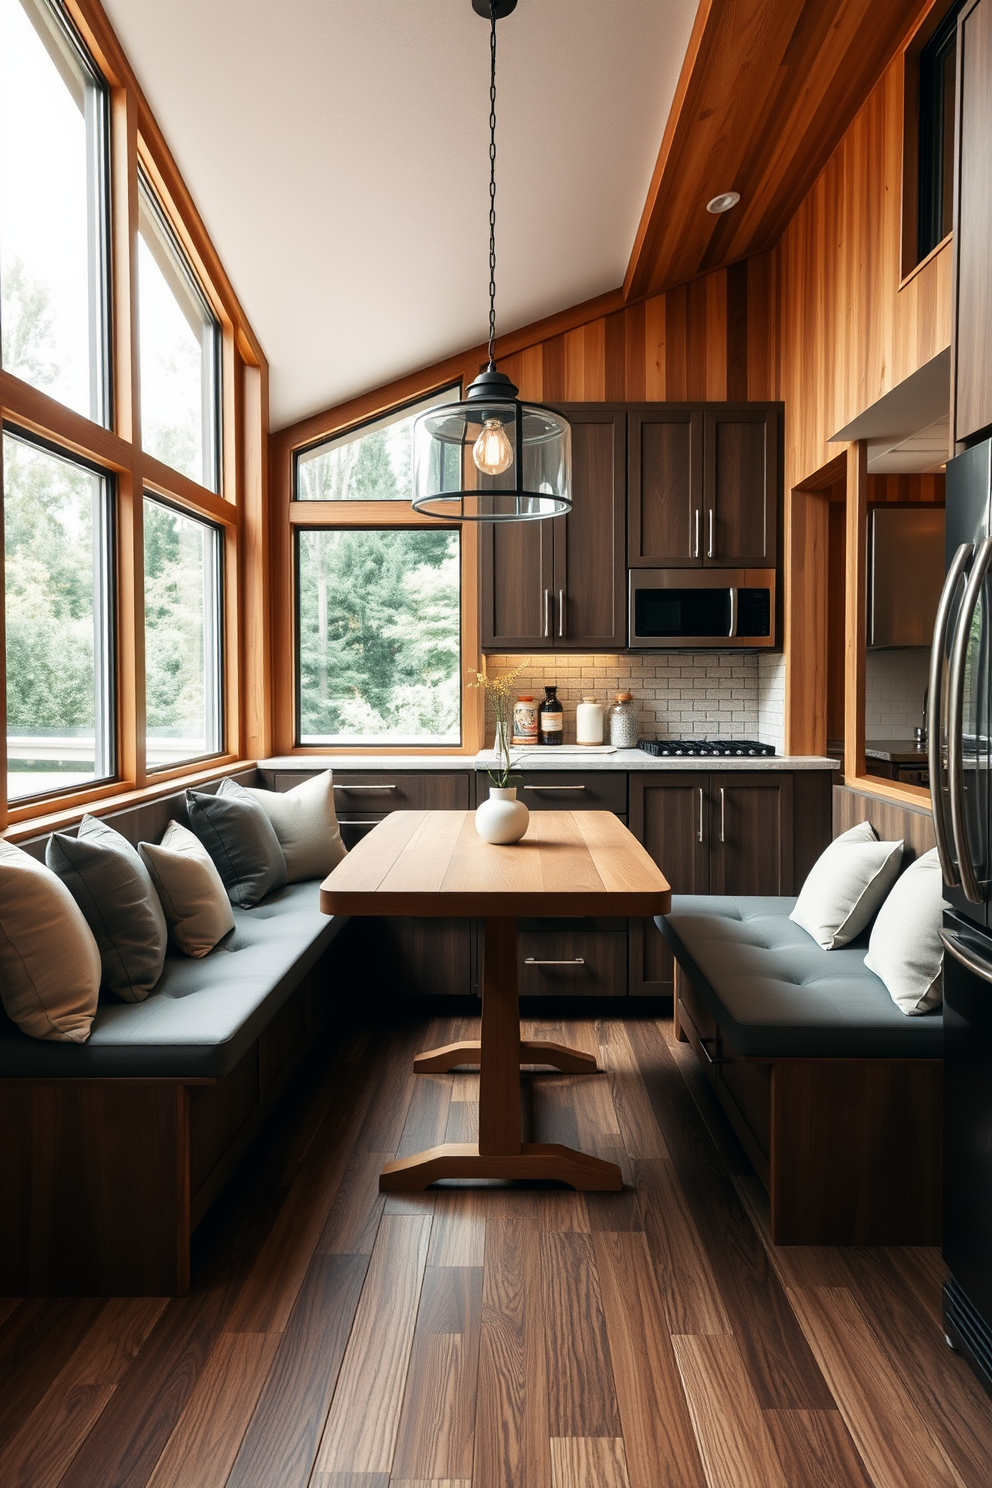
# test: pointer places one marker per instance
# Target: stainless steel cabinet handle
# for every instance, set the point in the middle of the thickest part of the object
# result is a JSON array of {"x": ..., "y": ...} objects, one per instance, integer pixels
[
  {"x": 723, "y": 814},
  {"x": 696, "y": 537},
  {"x": 555, "y": 787},
  {"x": 711, "y": 545},
  {"x": 733, "y": 611},
  {"x": 960, "y": 952},
  {"x": 561, "y": 612},
  {"x": 366, "y": 790},
  {"x": 699, "y": 834},
  {"x": 343, "y": 822},
  {"x": 942, "y": 832},
  {"x": 547, "y": 612},
  {"x": 578, "y": 961},
  {"x": 706, "y": 1053},
  {"x": 955, "y": 719}
]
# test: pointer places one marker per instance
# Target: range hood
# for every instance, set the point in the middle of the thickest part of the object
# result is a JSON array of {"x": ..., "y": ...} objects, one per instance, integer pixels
[{"x": 906, "y": 574}]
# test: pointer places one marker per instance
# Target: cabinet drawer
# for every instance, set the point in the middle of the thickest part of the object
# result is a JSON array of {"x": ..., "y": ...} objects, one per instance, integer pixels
[
  {"x": 378, "y": 792},
  {"x": 572, "y": 958},
  {"x": 571, "y": 790}
]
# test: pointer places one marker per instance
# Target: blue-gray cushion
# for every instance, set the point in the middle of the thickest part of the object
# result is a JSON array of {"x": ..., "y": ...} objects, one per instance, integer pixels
[
  {"x": 775, "y": 993},
  {"x": 204, "y": 1014},
  {"x": 114, "y": 890},
  {"x": 241, "y": 840}
]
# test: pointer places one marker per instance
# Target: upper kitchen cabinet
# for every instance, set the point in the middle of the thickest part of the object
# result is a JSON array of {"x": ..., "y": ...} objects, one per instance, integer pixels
[
  {"x": 703, "y": 486},
  {"x": 559, "y": 585},
  {"x": 972, "y": 374}
]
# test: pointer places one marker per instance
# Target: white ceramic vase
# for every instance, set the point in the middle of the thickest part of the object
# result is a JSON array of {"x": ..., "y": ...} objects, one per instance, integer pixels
[{"x": 502, "y": 819}]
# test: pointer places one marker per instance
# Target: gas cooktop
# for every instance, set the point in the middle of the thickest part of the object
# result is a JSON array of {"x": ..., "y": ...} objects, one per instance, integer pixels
[{"x": 722, "y": 747}]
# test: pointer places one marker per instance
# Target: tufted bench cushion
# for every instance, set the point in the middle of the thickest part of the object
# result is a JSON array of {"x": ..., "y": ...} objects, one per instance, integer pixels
[
  {"x": 203, "y": 1015},
  {"x": 780, "y": 995}
]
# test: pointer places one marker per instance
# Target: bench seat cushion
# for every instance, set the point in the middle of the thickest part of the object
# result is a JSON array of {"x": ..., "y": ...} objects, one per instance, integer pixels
[
  {"x": 775, "y": 994},
  {"x": 202, "y": 1015}
]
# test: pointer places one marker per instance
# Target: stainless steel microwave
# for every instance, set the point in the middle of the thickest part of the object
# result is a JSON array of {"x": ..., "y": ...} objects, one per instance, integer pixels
[{"x": 713, "y": 608}]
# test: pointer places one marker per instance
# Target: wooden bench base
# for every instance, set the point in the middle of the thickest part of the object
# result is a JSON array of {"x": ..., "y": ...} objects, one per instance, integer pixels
[
  {"x": 849, "y": 1150},
  {"x": 103, "y": 1181}
]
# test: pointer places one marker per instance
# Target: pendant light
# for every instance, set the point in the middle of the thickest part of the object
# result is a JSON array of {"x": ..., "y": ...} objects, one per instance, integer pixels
[{"x": 492, "y": 458}]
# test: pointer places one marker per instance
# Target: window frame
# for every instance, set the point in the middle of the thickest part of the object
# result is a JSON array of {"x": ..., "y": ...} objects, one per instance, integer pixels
[
  {"x": 933, "y": 22},
  {"x": 369, "y": 515},
  {"x": 239, "y": 508},
  {"x": 105, "y": 612},
  {"x": 213, "y": 622}
]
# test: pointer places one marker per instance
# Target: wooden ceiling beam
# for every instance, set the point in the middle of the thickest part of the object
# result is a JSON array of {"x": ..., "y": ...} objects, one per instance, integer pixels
[{"x": 767, "y": 89}]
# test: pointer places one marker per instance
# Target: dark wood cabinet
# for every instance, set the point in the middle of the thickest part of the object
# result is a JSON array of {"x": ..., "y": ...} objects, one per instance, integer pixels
[
  {"x": 702, "y": 486},
  {"x": 719, "y": 833},
  {"x": 971, "y": 368},
  {"x": 559, "y": 585},
  {"x": 572, "y": 958}
]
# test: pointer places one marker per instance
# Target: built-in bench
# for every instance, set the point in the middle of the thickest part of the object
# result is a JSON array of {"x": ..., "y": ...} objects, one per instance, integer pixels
[
  {"x": 834, "y": 1093},
  {"x": 113, "y": 1150}
]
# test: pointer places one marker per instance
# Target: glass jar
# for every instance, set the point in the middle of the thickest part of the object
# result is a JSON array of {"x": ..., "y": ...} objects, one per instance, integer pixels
[{"x": 623, "y": 721}]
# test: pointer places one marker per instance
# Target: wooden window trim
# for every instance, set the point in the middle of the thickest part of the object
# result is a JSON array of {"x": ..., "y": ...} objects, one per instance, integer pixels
[{"x": 241, "y": 511}]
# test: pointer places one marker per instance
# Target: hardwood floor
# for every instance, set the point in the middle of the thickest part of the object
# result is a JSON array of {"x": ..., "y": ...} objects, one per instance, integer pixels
[{"x": 512, "y": 1337}]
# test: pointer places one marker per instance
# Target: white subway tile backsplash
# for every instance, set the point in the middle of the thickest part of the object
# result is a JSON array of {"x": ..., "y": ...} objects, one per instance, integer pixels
[
  {"x": 894, "y": 685},
  {"x": 678, "y": 695}
]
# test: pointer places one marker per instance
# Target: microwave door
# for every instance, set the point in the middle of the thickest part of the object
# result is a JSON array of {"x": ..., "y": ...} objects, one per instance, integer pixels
[{"x": 968, "y": 746}]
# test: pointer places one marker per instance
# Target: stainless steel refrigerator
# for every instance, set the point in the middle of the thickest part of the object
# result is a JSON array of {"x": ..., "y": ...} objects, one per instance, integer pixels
[{"x": 960, "y": 749}]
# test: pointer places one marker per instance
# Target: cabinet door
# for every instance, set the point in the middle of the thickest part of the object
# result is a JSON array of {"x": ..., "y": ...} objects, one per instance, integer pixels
[
  {"x": 972, "y": 369},
  {"x": 589, "y": 567},
  {"x": 751, "y": 833},
  {"x": 740, "y": 487},
  {"x": 669, "y": 814},
  {"x": 572, "y": 958},
  {"x": 516, "y": 584},
  {"x": 665, "y": 488}
]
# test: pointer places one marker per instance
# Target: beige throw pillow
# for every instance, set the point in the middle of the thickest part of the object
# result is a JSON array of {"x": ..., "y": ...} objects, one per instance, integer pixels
[
  {"x": 307, "y": 826},
  {"x": 905, "y": 948},
  {"x": 49, "y": 961},
  {"x": 846, "y": 885},
  {"x": 197, "y": 909}
]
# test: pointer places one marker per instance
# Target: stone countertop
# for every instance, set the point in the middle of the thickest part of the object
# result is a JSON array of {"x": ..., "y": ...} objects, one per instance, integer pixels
[
  {"x": 896, "y": 751},
  {"x": 628, "y": 760}
]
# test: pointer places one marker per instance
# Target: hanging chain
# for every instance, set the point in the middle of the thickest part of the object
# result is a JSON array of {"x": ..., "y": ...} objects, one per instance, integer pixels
[{"x": 492, "y": 185}]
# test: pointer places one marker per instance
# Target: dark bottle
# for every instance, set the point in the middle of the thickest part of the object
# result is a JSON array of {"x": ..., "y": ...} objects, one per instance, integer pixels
[{"x": 550, "y": 718}]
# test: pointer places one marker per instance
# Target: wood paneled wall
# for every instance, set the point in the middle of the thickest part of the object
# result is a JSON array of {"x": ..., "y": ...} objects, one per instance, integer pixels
[{"x": 824, "y": 322}]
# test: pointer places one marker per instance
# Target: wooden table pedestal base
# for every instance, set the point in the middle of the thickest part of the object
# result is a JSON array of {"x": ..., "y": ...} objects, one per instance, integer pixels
[{"x": 500, "y": 1152}]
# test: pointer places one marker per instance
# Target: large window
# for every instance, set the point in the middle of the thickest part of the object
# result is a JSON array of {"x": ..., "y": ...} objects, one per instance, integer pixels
[
  {"x": 378, "y": 628},
  {"x": 59, "y": 654},
  {"x": 180, "y": 353},
  {"x": 53, "y": 172},
  {"x": 371, "y": 463},
  {"x": 182, "y": 637}
]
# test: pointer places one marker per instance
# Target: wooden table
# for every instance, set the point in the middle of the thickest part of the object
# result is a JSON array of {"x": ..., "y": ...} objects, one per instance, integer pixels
[{"x": 434, "y": 864}]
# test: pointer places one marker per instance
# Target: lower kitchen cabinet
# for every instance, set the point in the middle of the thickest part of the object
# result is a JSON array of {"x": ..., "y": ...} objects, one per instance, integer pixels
[
  {"x": 720, "y": 833},
  {"x": 572, "y": 958}
]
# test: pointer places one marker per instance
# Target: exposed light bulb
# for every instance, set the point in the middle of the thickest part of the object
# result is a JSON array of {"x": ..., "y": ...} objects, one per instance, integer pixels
[{"x": 492, "y": 451}]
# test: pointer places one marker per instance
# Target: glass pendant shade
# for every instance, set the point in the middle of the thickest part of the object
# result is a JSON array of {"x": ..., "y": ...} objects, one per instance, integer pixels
[{"x": 492, "y": 458}]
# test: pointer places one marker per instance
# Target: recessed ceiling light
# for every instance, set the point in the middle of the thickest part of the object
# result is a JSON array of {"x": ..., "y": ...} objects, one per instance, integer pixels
[{"x": 723, "y": 202}]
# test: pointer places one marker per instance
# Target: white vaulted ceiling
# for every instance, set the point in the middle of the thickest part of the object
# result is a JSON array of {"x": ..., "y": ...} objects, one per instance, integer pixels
[{"x": 337, "y": 151}]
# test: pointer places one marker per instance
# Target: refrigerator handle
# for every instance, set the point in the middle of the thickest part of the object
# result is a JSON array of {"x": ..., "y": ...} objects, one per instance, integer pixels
[
  {"x": 957, "y": 948},
  {"x": 955, "y": 719},
  {"x": 941, "y": 826}
]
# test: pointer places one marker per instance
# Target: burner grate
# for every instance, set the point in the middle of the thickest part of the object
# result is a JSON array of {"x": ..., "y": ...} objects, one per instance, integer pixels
[{"x": 722, "y": 748}]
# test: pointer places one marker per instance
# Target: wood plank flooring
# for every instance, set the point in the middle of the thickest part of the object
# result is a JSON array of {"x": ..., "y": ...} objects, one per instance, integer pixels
[{"x": 505, "y": 1337}]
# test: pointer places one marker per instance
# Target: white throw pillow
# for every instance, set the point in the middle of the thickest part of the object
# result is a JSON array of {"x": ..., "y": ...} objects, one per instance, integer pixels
[
  {"x": 192, "y": 893},
  {"x": 846, "y": 885},
  {"x": 307, "y": 826},
  {"x": 49, "y": 961},
  {"x": 905, "y": 949}
]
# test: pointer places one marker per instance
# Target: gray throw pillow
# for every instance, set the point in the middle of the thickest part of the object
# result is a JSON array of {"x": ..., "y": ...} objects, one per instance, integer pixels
[
  {"x": 306, "y": 824},
  {"x": 114, "y": 890},
  {"x": 241, "y": 840}
]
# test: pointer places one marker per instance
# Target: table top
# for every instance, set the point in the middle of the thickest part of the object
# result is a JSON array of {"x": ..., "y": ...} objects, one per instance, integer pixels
[{"x": 434, "y": 864}]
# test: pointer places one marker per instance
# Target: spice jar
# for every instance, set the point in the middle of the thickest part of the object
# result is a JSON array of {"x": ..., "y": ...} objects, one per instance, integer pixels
[
  {"x": 623, "y": 721},
  {"x": 525, "y": 721}
]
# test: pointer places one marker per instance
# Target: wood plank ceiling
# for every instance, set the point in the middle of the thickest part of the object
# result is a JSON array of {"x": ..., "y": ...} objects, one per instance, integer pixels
[{"x": 768, "y": 87}]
